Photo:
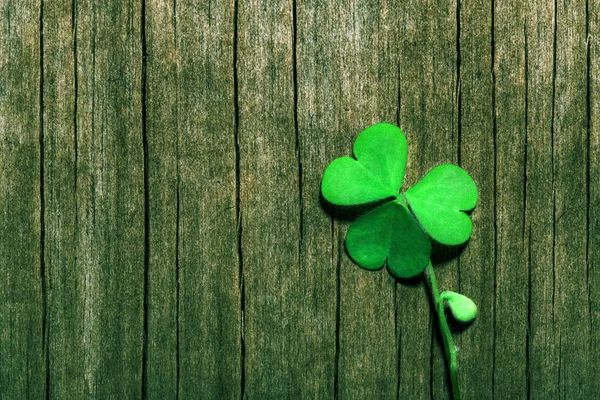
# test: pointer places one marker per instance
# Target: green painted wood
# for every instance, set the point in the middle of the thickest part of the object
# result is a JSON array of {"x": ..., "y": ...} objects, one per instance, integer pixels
[
  {"x": 65, "y": 279},
  {"x": 317, "y": 88},
  {"x": 510, "y": 318},
  {"x": 210, "y": 319},
  {"x": 542, "y": 354},
  {"x": 23, "y": 343},
  {"x": 570, "y": 172},
  {"x": 109, "y": 198},
  {"x": 269, "y": 199},
  {"x": 593, "y": 273},
  {"x": 161, "y": 375}
]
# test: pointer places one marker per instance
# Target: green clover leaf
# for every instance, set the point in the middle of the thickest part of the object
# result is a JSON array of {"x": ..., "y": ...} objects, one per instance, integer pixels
[
  {"x": 389, "y": 234},
  {"x": 377, "y": 173},
  {"x": 439, "y": 200}
]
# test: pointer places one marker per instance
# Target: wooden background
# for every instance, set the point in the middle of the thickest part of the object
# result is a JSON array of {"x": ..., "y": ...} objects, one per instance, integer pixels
[{"x": 161, "y": 231}]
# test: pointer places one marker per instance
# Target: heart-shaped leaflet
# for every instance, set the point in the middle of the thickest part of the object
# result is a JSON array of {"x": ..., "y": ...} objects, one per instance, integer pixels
[
  {"x": 389, "y": 233},
  {"x": 377, "y": 173},
  {"x": 439, "y": 201}
]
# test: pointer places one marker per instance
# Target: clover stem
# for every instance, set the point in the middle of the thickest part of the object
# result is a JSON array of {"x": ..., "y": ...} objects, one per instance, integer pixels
[{"x": 445, "y": 329}]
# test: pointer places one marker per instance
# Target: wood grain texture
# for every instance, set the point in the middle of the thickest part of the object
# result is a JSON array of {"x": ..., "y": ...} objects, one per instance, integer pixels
[
  {"x": 570, "y": 171},
  {"x": 110, "y": 227},
  {"x": 23, "y": 343},
  {"x": 162, "y": 229},
  {"x": 269, "y": 198},
  {"x": 162, "y": 141},
  {"x": 476, "y": 155},
  {"x": 510, "y": 318},
  {"x": 316, "y": 90},
  {"x": 210, "y": 319},
  {"x": 65, "y": 280},
  {"x": 542, "y": 353},
  {"x": 593, "y": 255}
]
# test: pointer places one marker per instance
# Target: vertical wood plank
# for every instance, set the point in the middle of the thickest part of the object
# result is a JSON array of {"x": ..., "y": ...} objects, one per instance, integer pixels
[
  {"x": 110, "y": 196},
  {"x": 511, "y": 285},
  {"x": 476, "y": 127},
  {"x": 65, "y": 279},
  {"x": 570, "y": 167},
  {"x": 209, "y": 308},
  {"x": 163, "y": 200},
  {"x": 428, "y": 114},
  {"x": 318, "y": 68},
  {"x": 593, "y": 270},
  {"x": 366, "y": 90},
  {"x": 269, "y": 197},
  {"x": 542, "y": 355},
  {"x": 22, "y": 340}
]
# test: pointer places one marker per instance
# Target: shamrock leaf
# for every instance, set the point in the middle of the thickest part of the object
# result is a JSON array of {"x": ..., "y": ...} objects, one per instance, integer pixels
[
  {"x": 389, "y": 233},
  {"x": 439, "y": 200},
  {"x": 377, "y": 173}
]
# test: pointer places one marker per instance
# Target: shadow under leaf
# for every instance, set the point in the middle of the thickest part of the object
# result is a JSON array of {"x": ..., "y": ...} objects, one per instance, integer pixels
[{"x": 349, "y": 213}]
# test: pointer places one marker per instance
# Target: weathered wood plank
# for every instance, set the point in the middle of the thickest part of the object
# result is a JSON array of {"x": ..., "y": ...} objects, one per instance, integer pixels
[
  {"x": 209, "y": 279},
  {"x": 428, "y": 114},
  {"x": 22, "y": 340},
  {"x": 161, "y": 375},
  {"x": 476, "y": 155},
  {"x": 318, "y": 70},
  {"x": 570, "y": 169},
  {"x": 542, "y": 355},
  {"x": 366, "y": 92},
  {"x": 110, "y": 196},
  {"x": 511, "y": 284},
  {"x": 269, "y": 198},
  {"x": 593, "y": 270},
  {"x": 65, "y": 279}
]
